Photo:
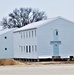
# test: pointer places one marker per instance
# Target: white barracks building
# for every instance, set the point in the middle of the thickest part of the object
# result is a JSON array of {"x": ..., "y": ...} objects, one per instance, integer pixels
[{"x": 44, "y": 39}]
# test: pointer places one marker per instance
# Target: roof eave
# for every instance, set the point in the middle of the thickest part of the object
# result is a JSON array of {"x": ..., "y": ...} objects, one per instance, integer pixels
[{"x": 24, "y": 30}]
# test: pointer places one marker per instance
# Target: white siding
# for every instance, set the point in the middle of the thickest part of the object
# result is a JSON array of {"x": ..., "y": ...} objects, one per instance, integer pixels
[
  {"x": 6, "y": 43},
  {"x": 29, "y": 40},
  {"x": 66, "y": 36},
  {"x": 42, "y": 38}
]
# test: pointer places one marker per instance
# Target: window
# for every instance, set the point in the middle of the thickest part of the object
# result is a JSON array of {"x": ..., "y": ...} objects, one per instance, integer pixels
[
  {"x": 29, "y": 49},
  {"x": 26, "y": 34},
  {"x": 21, "y": 34},
  {"x": 26, "y": 49},
  {"x": 5, "y": 48},
  {"x": 29, "y": 33},
  {"x": 56, "y": 31},
  {"x": 35, "y": 32},
  {"x": 5, "y": 37},
  {"x": 32, "y": 48},
  {"x": 32, "y": 33},
  {"x": 35, "y": 48},
  {"x": 21, "y": 48}
]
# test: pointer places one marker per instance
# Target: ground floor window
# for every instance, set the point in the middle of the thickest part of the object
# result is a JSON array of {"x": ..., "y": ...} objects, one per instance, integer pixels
[
  {"x": 35, "y": 48},
  {"x": 32, "y": 48},
  {"x": 28, "y": 49},
  {"x": 24, "y": 48}
]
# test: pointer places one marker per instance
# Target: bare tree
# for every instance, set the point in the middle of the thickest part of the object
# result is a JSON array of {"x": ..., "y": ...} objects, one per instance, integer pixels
[{"x": 23, "y": 16}]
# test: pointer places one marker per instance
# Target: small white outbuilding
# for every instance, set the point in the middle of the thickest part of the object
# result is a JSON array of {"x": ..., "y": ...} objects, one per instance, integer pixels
[
  {"x": 44, "y": 39},
  {"x": 6, "y": 43}
]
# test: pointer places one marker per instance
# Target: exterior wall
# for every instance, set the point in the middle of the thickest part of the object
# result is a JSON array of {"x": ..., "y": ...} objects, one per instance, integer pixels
[
  {"x": 6, "y": 43},
  {"x": 23, "y": 39},
  {"x": 44, "y": 36},
  {"x": 65, "y": 35}
]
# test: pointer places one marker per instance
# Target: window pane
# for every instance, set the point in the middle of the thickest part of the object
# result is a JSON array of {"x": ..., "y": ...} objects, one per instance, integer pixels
[
  {"x": 32, "y": 48},
  {"x": 26, "y": 49},
  {"x": 56, "y": 32},
  {"x": 29, "y": 49},
  {"x": 21, "y": 49},
  {"x": 24, "y": 34},
  {"x": 29, "y": 33},
  {"x": 35, "y": 32},
  {"x": 32, "y": 33},
  {"x": 21, "y": 34},
  {"x": 35, "y": 47}
]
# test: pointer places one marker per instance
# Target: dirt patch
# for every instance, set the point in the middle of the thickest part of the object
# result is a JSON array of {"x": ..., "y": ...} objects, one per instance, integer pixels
[{"x": 10, "y": 62}]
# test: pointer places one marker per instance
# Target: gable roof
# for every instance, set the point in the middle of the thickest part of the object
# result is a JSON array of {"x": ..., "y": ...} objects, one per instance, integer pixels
[{"x": 37, "y": 24}]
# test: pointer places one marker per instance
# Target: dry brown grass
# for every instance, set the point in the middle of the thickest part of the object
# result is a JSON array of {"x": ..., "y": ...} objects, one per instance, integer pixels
[{"x": 9, "y": 62}]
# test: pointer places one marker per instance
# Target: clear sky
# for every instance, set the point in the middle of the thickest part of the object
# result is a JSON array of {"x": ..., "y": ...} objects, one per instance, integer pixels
[{"x": 53, "y": 8}]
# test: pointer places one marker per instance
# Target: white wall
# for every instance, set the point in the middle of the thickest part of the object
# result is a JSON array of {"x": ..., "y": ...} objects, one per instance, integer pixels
[
  {"x": 24, "y": 41},
  {"x": 6, "y": 43},
  {"x": 44, "y": 37},
  {"x": 66, "y": 36}
]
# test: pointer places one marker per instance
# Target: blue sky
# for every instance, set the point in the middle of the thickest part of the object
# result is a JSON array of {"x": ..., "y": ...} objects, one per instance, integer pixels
[{"x": 53, "y": 8}]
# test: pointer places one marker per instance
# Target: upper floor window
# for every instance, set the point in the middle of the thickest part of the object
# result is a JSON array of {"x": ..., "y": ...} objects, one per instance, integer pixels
[
  {"x": 26, "y": 34},
  {"x": 29, "y": 33},
  {"x": 35, "y": 32},
  {"x": 56, "y": 31},
  {"x": 21, "y": 34},
  {"x": 32, "y": 33}
]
